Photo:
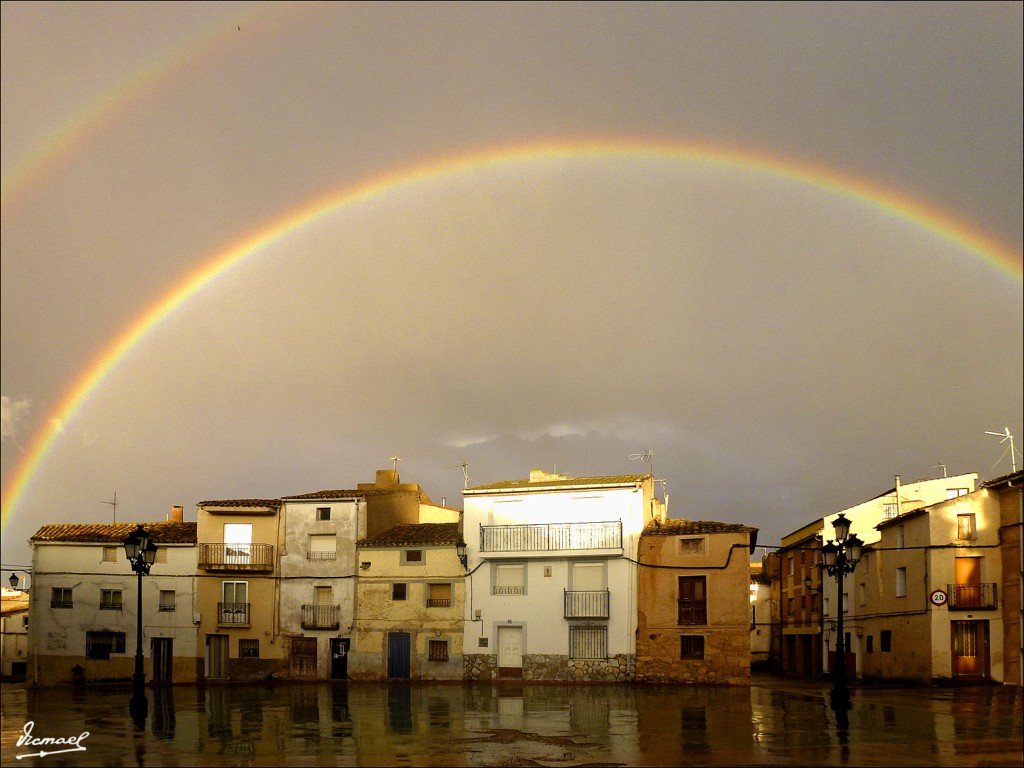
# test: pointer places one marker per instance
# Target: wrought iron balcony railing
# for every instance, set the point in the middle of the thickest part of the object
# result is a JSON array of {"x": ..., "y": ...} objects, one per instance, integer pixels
[
  {"x": 236, "y": 557},
  {"x": 587, "y": 604},
  {"x": 693, "y": 612},
  {"x": 964, "y": 597},
  {"x": 320, "y": 616},
  {"x": 547, "y": 537},
  {"x": 233, "y": 614}
]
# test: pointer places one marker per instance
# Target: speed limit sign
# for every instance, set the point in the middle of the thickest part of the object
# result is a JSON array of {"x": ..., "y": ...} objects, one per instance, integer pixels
[{"x": 939, "y": 597}]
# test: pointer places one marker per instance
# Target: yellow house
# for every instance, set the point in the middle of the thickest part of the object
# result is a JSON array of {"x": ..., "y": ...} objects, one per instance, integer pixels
[
  {"x": 238, "y": 547},
  {"x": 410, "y": 599},
  {"x": 693, "y": 602},
  {"x": 926, "y": 598}
]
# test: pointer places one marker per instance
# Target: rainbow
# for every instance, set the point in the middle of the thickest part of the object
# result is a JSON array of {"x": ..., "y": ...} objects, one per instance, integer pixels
[{"x": 871, "y": 194}]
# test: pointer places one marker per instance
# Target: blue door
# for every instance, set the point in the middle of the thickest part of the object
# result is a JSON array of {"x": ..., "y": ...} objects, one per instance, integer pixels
[{"x": 398, "y": 655}]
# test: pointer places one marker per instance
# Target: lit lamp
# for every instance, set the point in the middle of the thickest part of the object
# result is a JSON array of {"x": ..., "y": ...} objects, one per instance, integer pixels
[
  {"x": 460, "y": 550},
  {"x": 840, "y": 558},
  {"x": 141, "y": 553}
]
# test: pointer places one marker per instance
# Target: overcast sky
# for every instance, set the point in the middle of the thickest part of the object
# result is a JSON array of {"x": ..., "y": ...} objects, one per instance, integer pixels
[{"x": 784, "y": 348}]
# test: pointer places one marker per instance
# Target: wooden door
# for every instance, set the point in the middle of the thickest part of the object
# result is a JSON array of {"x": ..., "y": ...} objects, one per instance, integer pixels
[
  {"x": 303, "y": 657},
  {"x": 969, "y": 640}
]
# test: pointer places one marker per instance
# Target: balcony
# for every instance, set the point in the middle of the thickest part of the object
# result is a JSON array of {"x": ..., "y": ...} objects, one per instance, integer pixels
[
  {"x": 693, "y": 612},
  {"x": 973, "y": 597},
  {"x": 587, "y": 604},
  {"x": 321, "y": 616},
  {"x": 551, "y": 537},
  {"x": 236, "y": 557},
  {"x": 233, "y": 614}
]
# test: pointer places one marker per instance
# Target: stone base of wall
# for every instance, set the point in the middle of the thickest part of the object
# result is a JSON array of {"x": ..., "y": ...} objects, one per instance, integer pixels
[
  {"x": 481, "y": 667},
  {"x": 726, "y": 660}
]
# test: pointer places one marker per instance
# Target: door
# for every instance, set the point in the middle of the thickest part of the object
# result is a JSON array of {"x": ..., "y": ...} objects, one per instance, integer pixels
[
  {"x": 968, "y": 583},
  {"x": 339, "y": 658},
  {"x": 216, "y": 656},
  {"x": 303, "y": 657},
  {"x": 237, "y": 543},
  {"x": 399, "y": 655},
  {"x": 510, "y": 652},
  {"x": 970, "y": 648},
  {"x": 162, "y": 653}
]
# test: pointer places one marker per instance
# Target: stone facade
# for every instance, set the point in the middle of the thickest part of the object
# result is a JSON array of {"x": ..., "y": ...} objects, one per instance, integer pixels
[
  {"x": 482, "y": 667},
  {"x": 661, "y": 664}
]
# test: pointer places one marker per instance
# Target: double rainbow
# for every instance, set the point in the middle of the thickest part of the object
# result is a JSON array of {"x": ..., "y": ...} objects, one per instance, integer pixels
[{"x": 819, "y": 177}]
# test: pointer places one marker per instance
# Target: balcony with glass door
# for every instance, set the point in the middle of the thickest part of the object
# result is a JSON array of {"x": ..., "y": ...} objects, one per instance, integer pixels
[{"x": 603, "y": 538}]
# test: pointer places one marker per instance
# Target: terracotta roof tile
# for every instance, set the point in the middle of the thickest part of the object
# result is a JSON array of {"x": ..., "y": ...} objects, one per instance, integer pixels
[
  {"x": 675, "y": 527},
  {"x": 427, "y": 534},
  {"x": 569, "y": 482},
  {"x": 271, "y": 503},
  {"x": 163, "y": 532}
]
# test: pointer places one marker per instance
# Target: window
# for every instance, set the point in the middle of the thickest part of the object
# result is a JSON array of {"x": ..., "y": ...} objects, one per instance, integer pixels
[
  {"x": 322, "y": 547},
  {"x": 110, "y": 554},
  {"x": 99, "y": 645},
  {"x": 323, "y": 513},
  {"x": 901, "y": 540},
  {"x": 509, "y": 579},
  {"x": 439, "y": 595},
  {"x": 110, "y": 599},
  {"x": 588, "y": 577},
  {"x": 398, "y": 591},
  {"x": 691, "y": 647},
  {"x": 846, "y": 602},
  {"x": 689, "y": 547},
  {"x": 901, "y": 582},
  {"x": 412, "y": 556},
  {"x": 952, "y": 493},
  {"x": 693, "y": 605},
  {"x": 965, "y": 527},
  {"x": 248, "y": 649},
  {"x": 863, "y": 589},
  {"x": 166, "y": 600},
  {"x": 791, "y": 565},
  {"x": 61, "y": 597},
  {"x": 789, "y": 606},
  {"x": 437, "y": 650},
  {"x": 235, "y": 607},
  {"x": 323, "y": 595},
  {"x": 161, "y": 555},
  {"x": 870, "y": 643},
  {"x": 588, "y": 642},
  {"x": 886, "y": 640}
]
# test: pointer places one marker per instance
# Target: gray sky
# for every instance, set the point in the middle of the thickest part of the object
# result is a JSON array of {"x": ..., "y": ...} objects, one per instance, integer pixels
[{"x": 783, "y": 348}]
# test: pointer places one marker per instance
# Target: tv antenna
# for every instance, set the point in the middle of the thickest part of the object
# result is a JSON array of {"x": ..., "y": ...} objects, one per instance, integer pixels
[
  {"x": 943, "y": 466},
  {"x": 465, "y": 472},
  {"x": 113, "y": 504},
  {"x": 396, "y": 459},
  {"x": 647, "y": 457},
  {"x": 1005, "y": 434}
]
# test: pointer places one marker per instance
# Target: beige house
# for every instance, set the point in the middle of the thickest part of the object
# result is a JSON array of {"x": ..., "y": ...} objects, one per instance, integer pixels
[
  {"x": 1008, "y": 494},
  {"x": 410, "y": 603},
  {"x": 13, "y": 634},
  {"x": 693, "y": 602},
  {"x": 239, "y": 542},
  {"x": 925, "y": 600},
  {"x": 84, "y": 599}
]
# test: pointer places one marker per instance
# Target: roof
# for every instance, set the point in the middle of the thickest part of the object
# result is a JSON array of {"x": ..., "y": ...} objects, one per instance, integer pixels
[
  {"x": 342, "y": 494},
  {"x": 163, "y": 532},
  {"x": 567, "y": 482},
  {"x": 272, "y": 503},
  {"x": 427, "y": 534},
  {"x": 1007, "y": 480},
  {"x": 675, "y": 527}
]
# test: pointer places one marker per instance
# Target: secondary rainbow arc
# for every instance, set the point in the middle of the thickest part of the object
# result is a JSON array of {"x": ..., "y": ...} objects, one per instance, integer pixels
[{"x": 929, "y": 218}]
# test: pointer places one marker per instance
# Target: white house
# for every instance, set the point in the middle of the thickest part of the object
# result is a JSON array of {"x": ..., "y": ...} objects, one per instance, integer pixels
[
  {"x": 552, "y": 576},
  {"x": 84, "y": 601}
]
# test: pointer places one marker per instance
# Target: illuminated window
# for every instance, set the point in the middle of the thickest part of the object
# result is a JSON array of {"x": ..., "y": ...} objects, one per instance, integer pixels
[{"x": 952, "y": 493}]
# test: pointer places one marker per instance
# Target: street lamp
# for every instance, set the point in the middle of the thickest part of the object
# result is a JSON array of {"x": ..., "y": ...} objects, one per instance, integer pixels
[
  {"x": 840, "y": 559},
  {"x": 13, "y": 581},
  {"x": 141, "y": 552},
  {"x": 460, "y": 550}
]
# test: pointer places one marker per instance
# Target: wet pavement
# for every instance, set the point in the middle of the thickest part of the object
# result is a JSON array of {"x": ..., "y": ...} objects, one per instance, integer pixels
[{"x": 776, "y": 721}]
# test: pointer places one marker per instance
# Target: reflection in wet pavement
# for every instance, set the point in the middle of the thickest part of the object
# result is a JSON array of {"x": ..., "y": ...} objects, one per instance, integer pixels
[{"x": 518, "y": 725}]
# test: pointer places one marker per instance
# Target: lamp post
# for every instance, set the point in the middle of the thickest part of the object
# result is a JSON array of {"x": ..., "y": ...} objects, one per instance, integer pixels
[
  {"x": 460, "y": 550},
  {"x": 13, "y": 581},
  {"x": 141, "y": 552},
  {"x": 840, "y": 559}
]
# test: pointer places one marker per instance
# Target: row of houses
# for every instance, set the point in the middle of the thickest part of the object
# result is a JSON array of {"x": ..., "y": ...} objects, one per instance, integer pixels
[
  {"x": 544, "y": 578},
  {"x": 935, "y": 595},
  {"x": 547, "y": 578}
]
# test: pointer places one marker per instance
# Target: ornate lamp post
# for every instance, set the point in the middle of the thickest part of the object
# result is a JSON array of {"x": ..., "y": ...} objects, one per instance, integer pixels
[
  {"x": 840, "y": 559},
  {"x": 460, "y": 550},
  {"x": 141, "y": 552}
]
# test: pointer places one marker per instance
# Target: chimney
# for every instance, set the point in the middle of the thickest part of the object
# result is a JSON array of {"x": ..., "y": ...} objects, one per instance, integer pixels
[
  {"x": 177, "y": 514},
  {"x": 387, "y": 478}
]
